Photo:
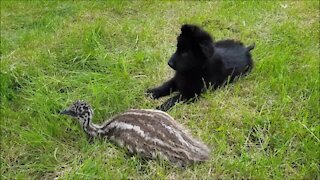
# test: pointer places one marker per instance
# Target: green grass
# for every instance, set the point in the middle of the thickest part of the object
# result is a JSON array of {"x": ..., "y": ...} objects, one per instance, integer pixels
[{"x": 265, "y": 126}]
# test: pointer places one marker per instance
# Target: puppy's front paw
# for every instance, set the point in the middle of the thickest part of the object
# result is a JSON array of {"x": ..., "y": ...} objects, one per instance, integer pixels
[{"x": 153, "y": 93}]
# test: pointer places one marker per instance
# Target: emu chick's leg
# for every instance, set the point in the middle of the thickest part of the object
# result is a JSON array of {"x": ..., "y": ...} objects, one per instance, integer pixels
[
  {"x": 170, "y": 103},
  {"x": 163, "y": 90}
]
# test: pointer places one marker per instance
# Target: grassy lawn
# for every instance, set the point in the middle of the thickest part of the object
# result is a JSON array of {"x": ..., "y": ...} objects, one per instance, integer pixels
[{"x": 265, "y": 126}]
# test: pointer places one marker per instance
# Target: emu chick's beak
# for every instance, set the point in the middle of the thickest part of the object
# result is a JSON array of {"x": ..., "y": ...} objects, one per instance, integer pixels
[{"x": 67, "y": 112}]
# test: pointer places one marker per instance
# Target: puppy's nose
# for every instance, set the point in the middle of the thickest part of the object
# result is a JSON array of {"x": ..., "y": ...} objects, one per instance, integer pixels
[{"x": 170, "y": 63}]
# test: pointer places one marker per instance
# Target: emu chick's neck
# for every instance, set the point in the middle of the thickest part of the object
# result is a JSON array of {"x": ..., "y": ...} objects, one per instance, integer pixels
[{"x": 90, "y": 128}]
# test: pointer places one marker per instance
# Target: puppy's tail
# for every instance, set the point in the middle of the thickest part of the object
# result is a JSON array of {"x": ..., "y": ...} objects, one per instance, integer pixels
[{"x": 249, "y": 48}]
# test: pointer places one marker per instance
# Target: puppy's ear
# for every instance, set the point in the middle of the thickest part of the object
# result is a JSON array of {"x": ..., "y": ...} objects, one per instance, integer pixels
[
  {"x": 188, "y": 29},
  {"x": 207, "y": 49}
]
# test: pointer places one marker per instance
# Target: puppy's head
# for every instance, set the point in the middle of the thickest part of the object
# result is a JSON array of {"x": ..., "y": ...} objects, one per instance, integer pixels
[{"x": 194, "y": 48}]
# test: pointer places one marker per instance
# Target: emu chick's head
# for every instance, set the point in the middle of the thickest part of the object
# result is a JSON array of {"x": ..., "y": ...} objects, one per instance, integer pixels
[
  {"x": 194, "y": 48},
  {"x": 79, "y": 110}
]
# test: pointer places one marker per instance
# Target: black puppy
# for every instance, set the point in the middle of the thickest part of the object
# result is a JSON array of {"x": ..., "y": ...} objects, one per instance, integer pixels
[{"x": 200, "y": 63}]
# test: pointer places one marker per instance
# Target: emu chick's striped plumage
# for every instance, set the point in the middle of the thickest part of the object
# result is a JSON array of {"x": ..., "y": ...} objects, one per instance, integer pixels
[{"x": 149, "y": 133}]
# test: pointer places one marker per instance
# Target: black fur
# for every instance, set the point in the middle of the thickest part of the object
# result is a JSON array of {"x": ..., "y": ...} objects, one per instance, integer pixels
[{"x": 199, "y": 63}]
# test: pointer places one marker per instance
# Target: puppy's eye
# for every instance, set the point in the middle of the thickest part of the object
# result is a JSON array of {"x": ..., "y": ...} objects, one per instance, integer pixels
[{"x": 184, "y": 54}]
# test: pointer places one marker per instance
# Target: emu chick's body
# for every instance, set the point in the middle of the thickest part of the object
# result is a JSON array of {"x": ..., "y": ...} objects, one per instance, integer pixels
[{"x": 149, "y": 133}]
